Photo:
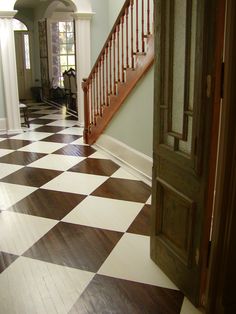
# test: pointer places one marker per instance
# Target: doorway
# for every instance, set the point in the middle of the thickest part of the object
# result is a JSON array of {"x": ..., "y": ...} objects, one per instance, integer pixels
[{"x": 23, "y": 60}]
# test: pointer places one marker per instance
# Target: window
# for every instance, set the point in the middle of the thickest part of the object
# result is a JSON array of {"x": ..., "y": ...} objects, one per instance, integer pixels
[
  {"x": 27, "y": 52},
  {"x": 63, "y": 50}
]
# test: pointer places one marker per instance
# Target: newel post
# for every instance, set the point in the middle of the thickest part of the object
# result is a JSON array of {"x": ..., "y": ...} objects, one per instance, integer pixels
[{"x": 86, "y": 110}]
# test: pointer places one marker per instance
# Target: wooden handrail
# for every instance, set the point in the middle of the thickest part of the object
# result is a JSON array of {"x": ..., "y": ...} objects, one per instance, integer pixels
[
  {"x": 122, "y": 12},
  {"x": 121, "y": 53}
]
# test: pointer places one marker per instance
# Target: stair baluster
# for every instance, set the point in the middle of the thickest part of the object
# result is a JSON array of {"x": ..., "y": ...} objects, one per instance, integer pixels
[{"x": 119, "y": 66}]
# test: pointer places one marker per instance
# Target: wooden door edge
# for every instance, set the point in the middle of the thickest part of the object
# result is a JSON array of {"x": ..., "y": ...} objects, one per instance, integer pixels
[
  {"x": 216, "y": 75},
  {"x": 222, "y": 273}
]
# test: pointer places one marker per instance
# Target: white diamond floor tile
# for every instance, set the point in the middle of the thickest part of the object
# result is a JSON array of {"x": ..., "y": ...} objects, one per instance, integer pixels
[
  {"x": 79, "y": 141},
  {"x": 99, "y": 155},
  {"x": 104, "y": 213},
  {"x": 123, "y": 174},
  {"x": 75, "y": 183},
  {"x": 55, "y": 116},
  {"x": 56, "y": 162},
  {"x": 32, "y": 127},
  {"x": 188, "y": 308},
  {"x": 18, "y": 232},
  {"x": 42, "y": 147},
  {"x": 149, "y": 201},
  {"x": 30, "y": 286},
  {"x": 130, "y": 260},
  {"x": 32, "y": 136},
  {"x": 12, "y": 193},
  {"x": 6, "y": 169},
  {"x": 4, "y": 152},
  {"x": 66, "y": 123},
  {"x": 73, "y": 131}
]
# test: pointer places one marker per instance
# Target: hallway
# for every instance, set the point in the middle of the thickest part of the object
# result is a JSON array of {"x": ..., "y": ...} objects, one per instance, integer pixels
[{"x": 74, "y": 227}]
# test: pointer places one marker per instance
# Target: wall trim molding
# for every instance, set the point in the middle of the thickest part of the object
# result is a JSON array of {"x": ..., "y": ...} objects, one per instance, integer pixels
[
  {"x": 83, "y": 15},
  {"x": 139, "y": 163},
  {"x": 14, "y": 131},
  {"x": 8, "y": 14}
]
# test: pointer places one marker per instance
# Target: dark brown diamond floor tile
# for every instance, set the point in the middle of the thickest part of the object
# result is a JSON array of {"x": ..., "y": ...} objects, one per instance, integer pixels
[
  {"x": 75, "y": 246},
  {"x": 21, "y": 158},
  {"x": 71, "y": 118},
  {"x": 33, "y": 109},
  {"x": 141, "y": 224},
  {"x": 5, "y": 260},
  {"x": 123, "y": 189},
  {"x": 42, "y": 121},
  {"x": 62, "y": 138},
  {"x": 103, "y": 167},
  {"x": 13, "y": 144},
  {"x": 36, "y": 115},
  {"x": 31, "y": 176},
  {"x": 49, "y": 129},
  {"x": 5, "y": 135},
  {"x": 76, "y": 150},
  {"x": 48, "y": 204},
  {"x": 112, "y": 295}
]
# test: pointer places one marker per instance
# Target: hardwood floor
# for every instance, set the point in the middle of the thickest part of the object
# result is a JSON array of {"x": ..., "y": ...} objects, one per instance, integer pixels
[{"x": 74, "y": 227}]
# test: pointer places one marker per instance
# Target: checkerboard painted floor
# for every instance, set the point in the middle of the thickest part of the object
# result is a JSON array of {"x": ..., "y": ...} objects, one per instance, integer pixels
[{"x": 74, "y": 227}]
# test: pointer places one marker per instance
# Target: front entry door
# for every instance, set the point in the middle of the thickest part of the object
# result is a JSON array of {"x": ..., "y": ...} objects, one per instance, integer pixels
[
  {"x": 182, "y": 125},
  {"x": 23, "y": 62}
]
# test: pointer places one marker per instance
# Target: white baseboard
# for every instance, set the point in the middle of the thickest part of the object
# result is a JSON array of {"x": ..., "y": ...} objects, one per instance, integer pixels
[
  {"x": 15, "y": 131},
  {"x": 3, "y": 125},
  {"x": 138, "y": 163}
]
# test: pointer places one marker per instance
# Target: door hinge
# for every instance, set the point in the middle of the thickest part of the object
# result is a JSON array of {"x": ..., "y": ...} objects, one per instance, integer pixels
[{"x": 222, "y": 80}]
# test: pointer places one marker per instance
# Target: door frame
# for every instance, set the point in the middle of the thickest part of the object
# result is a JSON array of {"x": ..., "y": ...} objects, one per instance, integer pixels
[
  {"x": 222, "y": 273},
  {"x": 217, "y": 27}
]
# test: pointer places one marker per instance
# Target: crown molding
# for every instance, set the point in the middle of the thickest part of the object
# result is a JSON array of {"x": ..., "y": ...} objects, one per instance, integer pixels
[{"x": 8, "y": 14}]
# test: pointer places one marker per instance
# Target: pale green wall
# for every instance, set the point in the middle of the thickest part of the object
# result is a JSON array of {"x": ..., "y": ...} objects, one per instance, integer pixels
[
  {"x": 99, "y": 27},
  {"x": 133, "y": 123},
  {"x": 106, "y": 12},
  {"x": 2, "y": 106},
  {"x": 114, "y": 8}
]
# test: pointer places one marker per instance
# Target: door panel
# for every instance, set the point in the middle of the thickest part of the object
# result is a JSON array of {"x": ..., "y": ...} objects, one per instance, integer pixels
[
  {"x": 23, "y": 61},
  {"x": 182, "y": 122}
]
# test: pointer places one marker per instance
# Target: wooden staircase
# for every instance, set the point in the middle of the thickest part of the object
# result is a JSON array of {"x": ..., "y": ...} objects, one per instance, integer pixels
[{"x": 126, "y": 56}]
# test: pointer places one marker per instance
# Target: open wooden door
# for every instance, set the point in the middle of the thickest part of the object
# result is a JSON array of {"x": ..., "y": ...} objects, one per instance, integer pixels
[{"x": 184, "y": 92}]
